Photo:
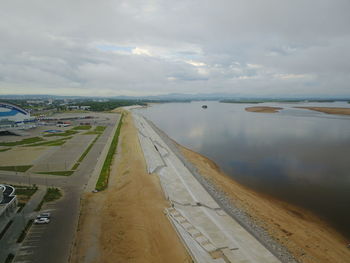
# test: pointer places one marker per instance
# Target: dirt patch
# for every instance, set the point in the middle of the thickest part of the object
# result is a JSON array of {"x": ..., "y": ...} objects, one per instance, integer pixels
[
  {"x": 264, "y": 109},
  {"x": 329, "y": 110},
  {"x": 126, "y": 222},
  {"x": 307, "y": 237}
]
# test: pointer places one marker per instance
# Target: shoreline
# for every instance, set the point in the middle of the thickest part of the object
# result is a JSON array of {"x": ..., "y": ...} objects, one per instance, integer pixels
[
  {"x": 235, "y": 212},
  {"x": 322, "y": 242},
  {"x": 328, "y": 110},
  {"x": 293, "y": 233}
]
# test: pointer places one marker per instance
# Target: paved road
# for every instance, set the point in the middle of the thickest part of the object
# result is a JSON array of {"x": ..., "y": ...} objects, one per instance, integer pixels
[{"x": 52, "y": 243}]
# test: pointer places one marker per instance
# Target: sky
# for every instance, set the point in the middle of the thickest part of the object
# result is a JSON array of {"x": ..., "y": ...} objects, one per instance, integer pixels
[{"x": 139, "y": 48}]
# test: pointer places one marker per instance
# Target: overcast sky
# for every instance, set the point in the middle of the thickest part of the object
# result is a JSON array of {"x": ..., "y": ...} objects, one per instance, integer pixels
[{"x": 107, "y": 47}]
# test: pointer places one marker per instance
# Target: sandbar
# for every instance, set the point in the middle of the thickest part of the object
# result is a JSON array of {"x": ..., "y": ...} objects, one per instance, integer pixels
[
  {"x": 329, "y": 110},
  {"x": 263, "y": 109}
]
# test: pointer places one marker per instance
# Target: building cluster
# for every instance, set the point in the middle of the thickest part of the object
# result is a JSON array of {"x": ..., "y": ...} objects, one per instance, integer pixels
[{"x": 13, "y": 116}]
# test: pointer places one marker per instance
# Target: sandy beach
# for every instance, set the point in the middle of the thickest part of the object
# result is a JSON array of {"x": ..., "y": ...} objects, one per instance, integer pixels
[
  {"x": 308, "y": 238},
  {"x": 329, "y": 110},
  {"x": 263, "y": 109},
  {"x": 126, "y": 222}
]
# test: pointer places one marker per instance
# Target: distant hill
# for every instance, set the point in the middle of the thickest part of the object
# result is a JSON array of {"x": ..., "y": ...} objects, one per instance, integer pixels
[{"x": 225, "y": 97}]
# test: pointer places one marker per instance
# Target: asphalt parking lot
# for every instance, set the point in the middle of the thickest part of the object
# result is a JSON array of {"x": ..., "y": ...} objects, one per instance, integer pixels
[{"x": 52, "y": 242}]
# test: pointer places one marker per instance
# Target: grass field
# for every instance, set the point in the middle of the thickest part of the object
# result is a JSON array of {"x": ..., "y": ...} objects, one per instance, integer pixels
[
  {"x": 24, "y": 193},
  {"x": 19, "y": 168},
  {"x": 100, "y": 128},
  {"x": 4, "y": 150},
  {"x": 85, "y": 153},
  {"x": 82, "y": 127},
  {"x": 58, "y": 142},
  {"x": 52, "y": 194},
  {"x": 102, "y": 181},
  {"x": 60, "y": 173},
  {"x": 66, "y": 133},
  {"x": 22, "y": 142},
  {"x": 97, "y": 130}
]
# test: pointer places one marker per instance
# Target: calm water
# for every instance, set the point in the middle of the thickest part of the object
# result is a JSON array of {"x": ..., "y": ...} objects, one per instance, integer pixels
[{"x": 296, "y": 155}]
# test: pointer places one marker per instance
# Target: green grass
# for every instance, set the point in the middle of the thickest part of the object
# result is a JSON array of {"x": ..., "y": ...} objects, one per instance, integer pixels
[
  {"x": 9, "y": 258},
  {"x": 4, "y": 150},
  {"x": 22, "y": 142},
  {"x": 19, "y": 168},
  {"x": 91, "y": 133},
  {"x": 60, "y": 173},
  {"x": 25, "y": 231},
  {"x": 52, "y": 194},
  {"x": 58, "y": 142},
  {"x": 102, "y": 181},
  {"x": 97, "y": 130},
  {"x": 100, "y": 128},
  {"x": 66, "y": 133},
  {"x": 76, "y": 165},
  {"x": 82, "y": 127},
  {"x": 24, "y": 193},
  {"x": 24, "y": 190},
  {"x": 5, "y": 228}
]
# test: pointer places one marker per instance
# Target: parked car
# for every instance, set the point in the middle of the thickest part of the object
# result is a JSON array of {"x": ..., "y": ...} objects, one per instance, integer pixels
[
  {"x": 44, "y": 215},
  {"x": 42, "y": 221}
]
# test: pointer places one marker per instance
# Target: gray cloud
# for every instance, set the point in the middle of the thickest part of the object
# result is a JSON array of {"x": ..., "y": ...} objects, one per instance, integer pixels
[{"x": 130, "y": 47}]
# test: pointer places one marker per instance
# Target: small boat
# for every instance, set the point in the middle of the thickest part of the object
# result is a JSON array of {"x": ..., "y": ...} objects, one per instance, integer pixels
[{"x": 204, "y": 106}]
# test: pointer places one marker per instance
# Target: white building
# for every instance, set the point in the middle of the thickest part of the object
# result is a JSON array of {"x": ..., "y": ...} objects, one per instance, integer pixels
[
  {"x": 8, "y": 204},
  {"x": 13, "y": 116}
]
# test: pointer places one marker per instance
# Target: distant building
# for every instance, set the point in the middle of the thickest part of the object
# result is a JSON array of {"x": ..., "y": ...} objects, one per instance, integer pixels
[
  {"x": 73, "y": 107},
  {"x": 85, "y": 107},
  {"x": 8, "y": 204},
  {"x": 35, "y": 101},
  {"x": 14, "y": 117}
]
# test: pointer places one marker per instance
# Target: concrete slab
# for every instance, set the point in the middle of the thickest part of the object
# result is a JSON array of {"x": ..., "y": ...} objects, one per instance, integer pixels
[{"x": 65, "y": 156}]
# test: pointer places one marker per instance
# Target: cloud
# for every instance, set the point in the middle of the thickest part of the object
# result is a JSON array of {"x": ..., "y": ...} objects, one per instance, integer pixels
[{"x": 154, "y": 47}]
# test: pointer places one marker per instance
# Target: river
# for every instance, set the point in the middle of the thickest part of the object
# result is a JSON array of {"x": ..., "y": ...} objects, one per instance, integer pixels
[{"x": 297, "y": 155}]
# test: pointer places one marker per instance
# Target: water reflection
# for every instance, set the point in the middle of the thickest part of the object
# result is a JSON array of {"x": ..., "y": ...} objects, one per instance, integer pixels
[{"x": 297, "y": 155}]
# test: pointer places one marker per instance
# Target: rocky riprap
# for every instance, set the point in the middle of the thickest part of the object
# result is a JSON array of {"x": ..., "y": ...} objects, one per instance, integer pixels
[{"x": 229, "y": 207}]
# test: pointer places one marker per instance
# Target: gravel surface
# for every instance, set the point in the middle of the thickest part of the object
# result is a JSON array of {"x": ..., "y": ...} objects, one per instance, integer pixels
[{"x": 226, "y": 204}]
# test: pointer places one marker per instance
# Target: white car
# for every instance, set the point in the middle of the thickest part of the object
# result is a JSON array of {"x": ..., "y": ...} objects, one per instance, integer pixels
[
  {"x": 42, "y": 221},
  {"x": 44, "y": 215}
]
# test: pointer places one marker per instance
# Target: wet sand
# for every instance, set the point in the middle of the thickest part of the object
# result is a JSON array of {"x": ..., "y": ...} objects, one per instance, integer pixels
[
  {"x": 263, "y": 109},
  {"x": 329, "y": 110},
  {"x": 306, "y": 236},
  {"x": 126, "y": 222}
]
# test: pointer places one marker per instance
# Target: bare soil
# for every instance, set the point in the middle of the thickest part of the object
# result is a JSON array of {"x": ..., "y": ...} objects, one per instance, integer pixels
[
  {"x": 307, "y": 237},
  {"x": 329, "y": 110},
  {"x": 263, "y": 109},
  {"x": 126, "y": 223}
]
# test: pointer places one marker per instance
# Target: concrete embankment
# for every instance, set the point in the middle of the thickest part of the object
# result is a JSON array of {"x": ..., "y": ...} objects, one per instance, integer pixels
[{"x": 208, "y": 231}]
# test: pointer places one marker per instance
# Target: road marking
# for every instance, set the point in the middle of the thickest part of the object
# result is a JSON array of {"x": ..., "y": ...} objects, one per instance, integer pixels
[
  {"x": 27, "y": 247},
  {"x": 23, "y": 253}
]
